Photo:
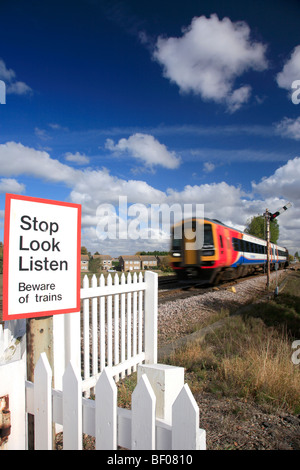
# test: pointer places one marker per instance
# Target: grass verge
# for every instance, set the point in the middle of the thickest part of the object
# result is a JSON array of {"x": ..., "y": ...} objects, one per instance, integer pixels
[{"x": 250, "y": 356}]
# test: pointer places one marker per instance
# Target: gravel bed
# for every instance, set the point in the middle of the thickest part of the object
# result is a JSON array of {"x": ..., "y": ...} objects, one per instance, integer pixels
[{"x": 179, "y": 317}]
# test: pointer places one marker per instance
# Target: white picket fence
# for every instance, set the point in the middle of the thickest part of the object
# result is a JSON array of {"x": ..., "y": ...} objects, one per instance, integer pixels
[
  {"x": 126, "y": 308},
  {"x": 117, "y": 328},
  {"x": 135, "y": 429},
  {"x": 113, "y": 335}
]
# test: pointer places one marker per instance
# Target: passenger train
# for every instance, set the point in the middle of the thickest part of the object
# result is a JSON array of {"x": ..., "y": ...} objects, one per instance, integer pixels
[{"x": 225, "y": 253}]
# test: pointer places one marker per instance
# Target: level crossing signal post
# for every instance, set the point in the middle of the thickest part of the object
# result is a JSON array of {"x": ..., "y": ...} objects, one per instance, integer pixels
[{"x": 268, "y": 218}]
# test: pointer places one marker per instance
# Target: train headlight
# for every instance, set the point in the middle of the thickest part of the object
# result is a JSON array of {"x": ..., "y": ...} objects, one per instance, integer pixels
[
  {"x": 176, "y": 254},
  {"x": 208, "y": 253}
]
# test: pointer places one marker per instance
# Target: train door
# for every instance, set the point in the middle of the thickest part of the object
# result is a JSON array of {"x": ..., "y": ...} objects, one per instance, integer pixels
[
  {"x": 192, "y": 252},
  {"x": 222, "y": 245},
  {"x": 190, "y": 256},
  {"x": 227, "y": 245}
]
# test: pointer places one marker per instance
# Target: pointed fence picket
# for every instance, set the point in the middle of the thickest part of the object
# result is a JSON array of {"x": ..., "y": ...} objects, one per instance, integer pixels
[
  {"x": 143, "y": 416},
  {"x": 135, "y": 429},
  {"x": 106, "y": 413},
  {"x": 42, "y": 404}
]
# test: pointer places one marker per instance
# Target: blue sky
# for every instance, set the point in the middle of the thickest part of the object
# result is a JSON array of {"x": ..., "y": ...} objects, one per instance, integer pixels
[{"x": 161, "y": 102}]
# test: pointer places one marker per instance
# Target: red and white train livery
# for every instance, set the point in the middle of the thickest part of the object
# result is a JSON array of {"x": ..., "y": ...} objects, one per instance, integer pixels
[{"x": 226, "y": 253}]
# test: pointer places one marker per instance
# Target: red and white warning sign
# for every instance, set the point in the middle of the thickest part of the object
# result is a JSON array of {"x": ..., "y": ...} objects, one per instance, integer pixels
[{"x": 41, "y": 271}]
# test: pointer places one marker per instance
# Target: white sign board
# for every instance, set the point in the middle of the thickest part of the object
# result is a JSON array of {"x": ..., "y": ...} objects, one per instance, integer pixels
[{"x": 41, "y": 274}]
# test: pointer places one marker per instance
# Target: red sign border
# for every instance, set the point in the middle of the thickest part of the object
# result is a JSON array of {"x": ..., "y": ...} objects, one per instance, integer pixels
[{"x": 8, "y": 199}]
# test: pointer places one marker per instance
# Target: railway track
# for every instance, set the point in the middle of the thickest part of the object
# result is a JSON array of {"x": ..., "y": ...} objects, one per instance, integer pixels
[{"x": 175, "y": 290}]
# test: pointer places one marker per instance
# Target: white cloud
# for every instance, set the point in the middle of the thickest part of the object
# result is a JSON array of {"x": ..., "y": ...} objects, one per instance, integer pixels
[
  {"x": 57, "y": 127},
  {"x": 6, "y": 74},
  {"x": 10, "y": 185},
  {"x": 41, "y": 133},
  {"x": 146, "y": 148},
  {"x": 278, "y": 189},
  {"x": 213, "y": 196},
  {"x": 289, "y": 128},
  {"x": 18, "y": 88},
  {"x": 222, "y": 201},
  {"x": 88, "y": 187},
  {"x": 238, "y": 97},
  {"x": 17, "y": 159},
  {"x": 77, "y": 157},
  {"x": 208, "y": 167},
  {"x": 283, "y": 183},
  {"x": 12, "y": 85},
  {"x": 209, "y": 56},
  {"x": 290, "y": 71}
]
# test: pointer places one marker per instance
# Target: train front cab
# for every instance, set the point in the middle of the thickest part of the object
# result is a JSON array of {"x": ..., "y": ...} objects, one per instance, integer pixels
[{"x": 188, "y": 259}]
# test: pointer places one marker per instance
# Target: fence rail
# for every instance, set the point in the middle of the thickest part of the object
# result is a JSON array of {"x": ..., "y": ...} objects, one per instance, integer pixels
[{"x": 135, "y": 429}]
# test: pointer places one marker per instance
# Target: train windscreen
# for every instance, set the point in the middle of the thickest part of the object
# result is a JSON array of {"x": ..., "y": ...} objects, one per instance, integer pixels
[{"x": 208, "y": 236}]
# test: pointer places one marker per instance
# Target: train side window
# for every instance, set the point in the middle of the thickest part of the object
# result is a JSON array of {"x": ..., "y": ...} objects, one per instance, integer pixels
[
  {"x": 236, "y": 244},
  {"x": 221, "y": 241}
]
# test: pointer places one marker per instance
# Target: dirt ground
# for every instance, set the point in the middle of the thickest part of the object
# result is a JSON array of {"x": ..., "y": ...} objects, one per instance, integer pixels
[{"x": 233, "y": 424}]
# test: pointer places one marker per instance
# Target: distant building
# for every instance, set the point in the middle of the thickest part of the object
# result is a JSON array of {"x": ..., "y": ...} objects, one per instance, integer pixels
[
  {"x": 84, "y": 262},
  {"x": 129, "y": 262},
  {"x": 148, "y": 261},
  {"x": 106, "y": 261}
]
